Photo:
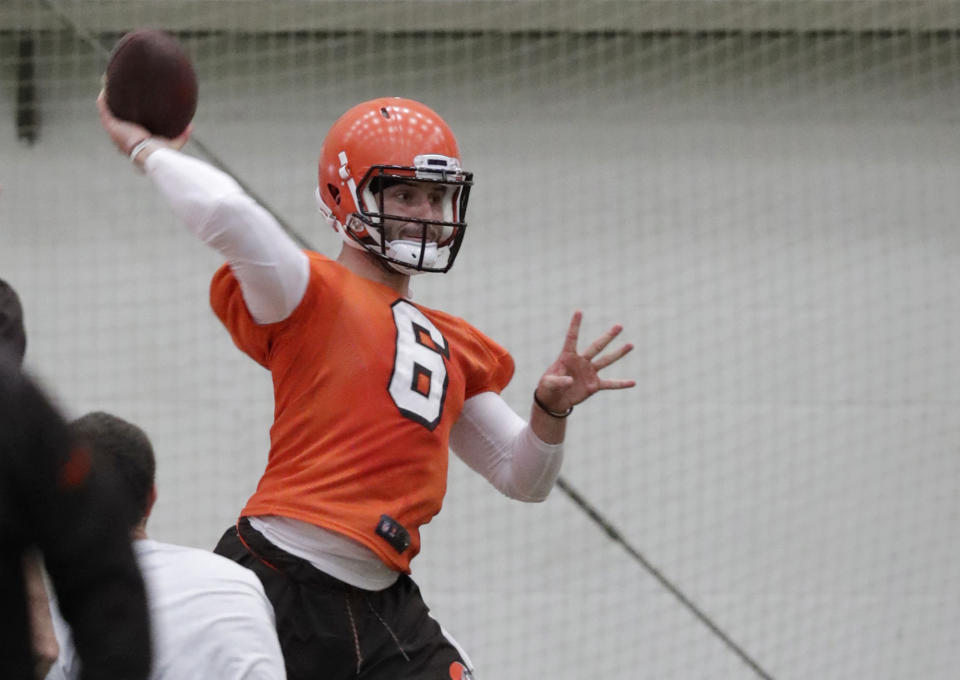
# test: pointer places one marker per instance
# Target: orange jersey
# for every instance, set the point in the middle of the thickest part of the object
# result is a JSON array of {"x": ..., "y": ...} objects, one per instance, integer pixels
[{"x": 366, "y": 387}]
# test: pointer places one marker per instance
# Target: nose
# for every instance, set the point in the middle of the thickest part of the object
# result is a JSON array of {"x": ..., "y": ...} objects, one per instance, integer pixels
[{"x": 424, "y": 208}]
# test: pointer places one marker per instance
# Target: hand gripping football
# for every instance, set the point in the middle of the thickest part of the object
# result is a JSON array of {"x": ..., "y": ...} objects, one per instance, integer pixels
[{"x": 151, "y": 81}]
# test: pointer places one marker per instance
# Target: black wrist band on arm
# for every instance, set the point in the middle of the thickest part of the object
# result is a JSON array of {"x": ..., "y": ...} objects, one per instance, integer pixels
[{"x": 550, "y": 412}]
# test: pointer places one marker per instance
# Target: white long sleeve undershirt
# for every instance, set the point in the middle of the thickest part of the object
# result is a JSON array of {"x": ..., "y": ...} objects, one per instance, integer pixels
[
  {"x": 272, "y": 270},
  {"x": 497, "y": 443}
]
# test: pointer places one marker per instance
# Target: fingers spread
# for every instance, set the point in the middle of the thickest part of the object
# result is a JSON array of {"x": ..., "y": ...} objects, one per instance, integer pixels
[
  {"x": 573, "y": 332},
  {"x": 608, "y": 359},
  {"x": 602, "y": 342},
  {"x": 615, "y": 384}
]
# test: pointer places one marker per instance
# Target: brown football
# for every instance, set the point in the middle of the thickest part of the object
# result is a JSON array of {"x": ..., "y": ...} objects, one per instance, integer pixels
[{"x": 151, "y": 81}]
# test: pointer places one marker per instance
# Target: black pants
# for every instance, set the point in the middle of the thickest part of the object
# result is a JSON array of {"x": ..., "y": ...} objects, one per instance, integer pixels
[{"x": 330, "y": 630}]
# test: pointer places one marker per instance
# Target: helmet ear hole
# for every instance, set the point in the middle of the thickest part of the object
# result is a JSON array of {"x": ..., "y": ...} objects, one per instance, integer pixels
[{"x": 335, "y": 192}]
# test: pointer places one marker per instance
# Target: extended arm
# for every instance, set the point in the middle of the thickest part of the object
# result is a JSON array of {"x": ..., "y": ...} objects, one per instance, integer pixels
[
  {"x": 272, "y": 270},
  {"x": 523, "y": 459},
  {"x": 497, "y": 443}
]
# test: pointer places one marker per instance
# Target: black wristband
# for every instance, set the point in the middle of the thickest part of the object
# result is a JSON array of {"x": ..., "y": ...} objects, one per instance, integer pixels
[{"x": 550, "y": 412}]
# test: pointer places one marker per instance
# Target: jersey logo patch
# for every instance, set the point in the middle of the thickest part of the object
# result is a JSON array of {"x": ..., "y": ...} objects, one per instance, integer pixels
[{"x": 393, "y": 532}]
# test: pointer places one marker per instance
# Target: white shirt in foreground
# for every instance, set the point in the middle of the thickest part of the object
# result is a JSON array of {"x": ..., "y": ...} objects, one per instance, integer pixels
[{"x": 210, "y": 619}]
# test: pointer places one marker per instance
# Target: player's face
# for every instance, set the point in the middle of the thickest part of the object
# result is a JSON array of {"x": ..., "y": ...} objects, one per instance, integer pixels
[{"x": 420, "y": 200}]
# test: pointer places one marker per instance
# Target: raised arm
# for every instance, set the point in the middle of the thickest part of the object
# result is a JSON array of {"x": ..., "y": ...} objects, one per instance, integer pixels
[
  {"x": 272, "y": 270},
  {"x": 522, "y": 459}
]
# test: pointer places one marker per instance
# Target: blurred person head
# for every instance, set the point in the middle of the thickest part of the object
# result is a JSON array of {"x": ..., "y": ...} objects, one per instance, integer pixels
[
  {"x": 124, "y": 451},
  {"x": 13, "y": 336}
]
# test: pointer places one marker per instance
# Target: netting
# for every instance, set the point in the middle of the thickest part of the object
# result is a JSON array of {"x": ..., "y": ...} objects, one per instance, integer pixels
[{"x": 763, "y": 193}]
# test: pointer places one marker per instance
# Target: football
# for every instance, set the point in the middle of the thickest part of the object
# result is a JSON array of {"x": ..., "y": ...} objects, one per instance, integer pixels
[{"x": 150, "y": 80}]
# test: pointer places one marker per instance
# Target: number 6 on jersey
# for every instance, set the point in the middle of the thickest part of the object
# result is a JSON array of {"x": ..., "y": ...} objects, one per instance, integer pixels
[{"x": 418, "y": 385}]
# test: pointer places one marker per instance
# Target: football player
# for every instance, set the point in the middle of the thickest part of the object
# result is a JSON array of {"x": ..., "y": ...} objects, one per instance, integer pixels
[{"x": 371, "y": 388}]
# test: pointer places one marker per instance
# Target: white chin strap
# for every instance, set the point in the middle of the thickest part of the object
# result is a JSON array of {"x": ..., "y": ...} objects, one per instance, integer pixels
[
  {"x": 404, "y": 251},
  {"x": 408, "y": 252}
]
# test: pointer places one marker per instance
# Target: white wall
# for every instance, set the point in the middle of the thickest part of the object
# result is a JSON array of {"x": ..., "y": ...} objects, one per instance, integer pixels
[{"x": 773, "y": 221}]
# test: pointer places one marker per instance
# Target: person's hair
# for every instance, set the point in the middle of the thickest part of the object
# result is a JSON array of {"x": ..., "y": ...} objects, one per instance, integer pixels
[
  {"x": 124, "y": 452},
  {"x": 13, "y": 337}
]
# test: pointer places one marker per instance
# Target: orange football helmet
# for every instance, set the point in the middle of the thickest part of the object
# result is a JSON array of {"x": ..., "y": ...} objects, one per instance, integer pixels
[{"x": 384, "y": 141}]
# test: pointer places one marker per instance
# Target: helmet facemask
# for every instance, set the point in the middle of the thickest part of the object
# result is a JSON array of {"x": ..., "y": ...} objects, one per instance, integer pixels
[{"x": 409, "y": 244}]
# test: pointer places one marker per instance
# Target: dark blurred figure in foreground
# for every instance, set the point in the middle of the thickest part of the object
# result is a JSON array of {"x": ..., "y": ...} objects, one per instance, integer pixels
[{"x": 52, "y": 502}]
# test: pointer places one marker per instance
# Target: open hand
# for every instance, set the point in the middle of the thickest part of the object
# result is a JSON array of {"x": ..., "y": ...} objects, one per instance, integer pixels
[{"x": 573, "y": 377}]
